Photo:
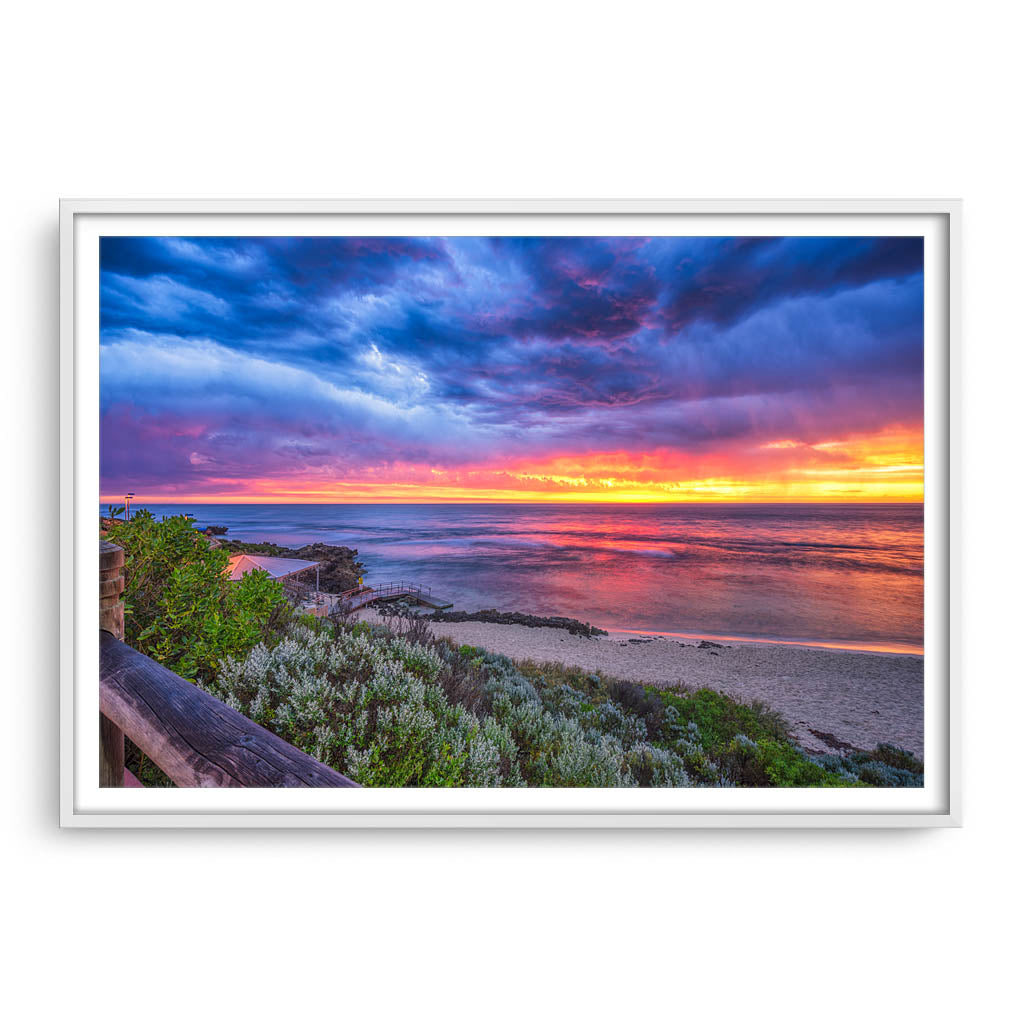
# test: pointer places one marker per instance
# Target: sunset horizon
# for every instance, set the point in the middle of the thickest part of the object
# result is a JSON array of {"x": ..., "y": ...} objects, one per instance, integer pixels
[
  {"x": 460, "y": 370},
  {"x": 300, "y": 499}
]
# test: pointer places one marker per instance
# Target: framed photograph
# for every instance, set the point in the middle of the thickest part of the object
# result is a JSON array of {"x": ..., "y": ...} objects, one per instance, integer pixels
[{"x": 509, "y": 514}]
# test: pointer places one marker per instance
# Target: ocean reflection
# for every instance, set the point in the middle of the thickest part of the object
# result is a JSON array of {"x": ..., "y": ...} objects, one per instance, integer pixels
[{"x": 842, "y": 574}]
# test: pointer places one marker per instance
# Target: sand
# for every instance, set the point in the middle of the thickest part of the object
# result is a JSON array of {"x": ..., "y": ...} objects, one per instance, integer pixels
[{"x": 852, "y": 698}]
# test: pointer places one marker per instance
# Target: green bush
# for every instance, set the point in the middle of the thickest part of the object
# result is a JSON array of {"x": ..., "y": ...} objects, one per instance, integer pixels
[
  {"x": 366, "y": 705},
  {"x": 886, "y": 765},
  {"x": 719, "y": 718},
  {"x": 380, "y": 709},
  {"x": 898, "y": 758},
  {"x": 749, "y": 743},
  {"x": 181, "y": 608}
]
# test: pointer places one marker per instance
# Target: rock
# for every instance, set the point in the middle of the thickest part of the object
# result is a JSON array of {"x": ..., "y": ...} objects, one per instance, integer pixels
[
  {"x": 339, "y": 570},
  {"x": 833, "y": 741},
  {"x": 574, "y": 626}
]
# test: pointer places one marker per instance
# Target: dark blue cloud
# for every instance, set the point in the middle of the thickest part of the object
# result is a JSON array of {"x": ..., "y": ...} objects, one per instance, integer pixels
[
  {"x": 445, "y": 348},
  {"x": 599, "y": 289},
  {"x": 728, "y": 278},
  {"x": 249, "y": 291}
]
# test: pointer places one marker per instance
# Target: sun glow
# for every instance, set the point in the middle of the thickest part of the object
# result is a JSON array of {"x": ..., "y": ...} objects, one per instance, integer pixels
[{"x": 888, "y": 466}]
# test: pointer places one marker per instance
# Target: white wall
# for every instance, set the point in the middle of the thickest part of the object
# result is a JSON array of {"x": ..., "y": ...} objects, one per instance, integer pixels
[{"x": 528, "y": 99}]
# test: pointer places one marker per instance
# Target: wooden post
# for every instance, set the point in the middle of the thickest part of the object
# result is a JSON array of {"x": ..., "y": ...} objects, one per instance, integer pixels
[
  {"x": 112, "y": 621},
  {"x": 111, "y": 589},
  {"x": 111, "y": 755}
]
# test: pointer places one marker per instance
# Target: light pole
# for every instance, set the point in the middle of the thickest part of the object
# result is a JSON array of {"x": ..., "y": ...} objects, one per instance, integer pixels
[{"x": 127, "y": 504}]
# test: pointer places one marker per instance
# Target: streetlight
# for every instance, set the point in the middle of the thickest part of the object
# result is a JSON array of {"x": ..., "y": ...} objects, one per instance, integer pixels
[{"x": 127, "y": 503}]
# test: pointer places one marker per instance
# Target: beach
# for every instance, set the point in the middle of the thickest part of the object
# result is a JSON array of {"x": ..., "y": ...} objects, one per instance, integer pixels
[
  {"x": 837, "y": 574},
  {"x": 792, "y": 600},
  {"x": 848, "y": 577},
  {"x": 829, "y": 697}
]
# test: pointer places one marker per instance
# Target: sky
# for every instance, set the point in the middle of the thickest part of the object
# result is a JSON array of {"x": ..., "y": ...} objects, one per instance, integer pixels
[{"x": 377, "y": 369}]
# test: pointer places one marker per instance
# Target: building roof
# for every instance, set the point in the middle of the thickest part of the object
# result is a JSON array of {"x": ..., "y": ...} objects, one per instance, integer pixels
[{"x": 278, "y": 568}]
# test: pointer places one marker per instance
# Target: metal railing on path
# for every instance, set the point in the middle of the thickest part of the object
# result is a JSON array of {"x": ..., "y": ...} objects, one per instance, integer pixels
[{"x": 358, "y": 597}]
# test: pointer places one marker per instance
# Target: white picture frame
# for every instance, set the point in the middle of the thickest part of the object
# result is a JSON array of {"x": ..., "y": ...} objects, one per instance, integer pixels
[{"x": 84, "y": 804}]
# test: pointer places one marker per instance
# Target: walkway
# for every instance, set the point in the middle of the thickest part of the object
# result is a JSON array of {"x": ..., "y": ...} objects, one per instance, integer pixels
[{"x": 360, "y": 597}]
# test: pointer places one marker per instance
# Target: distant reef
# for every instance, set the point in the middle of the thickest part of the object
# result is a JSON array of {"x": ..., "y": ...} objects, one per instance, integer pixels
[
  {"x": 339, "y": 570},
  {"x": 519, "y": 619}
]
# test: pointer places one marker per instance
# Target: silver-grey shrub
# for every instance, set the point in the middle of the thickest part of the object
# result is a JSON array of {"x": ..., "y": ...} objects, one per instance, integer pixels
[{"x": 369, "y": 706}]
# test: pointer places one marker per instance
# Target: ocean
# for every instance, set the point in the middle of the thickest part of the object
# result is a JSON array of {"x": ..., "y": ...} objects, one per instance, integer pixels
[{"x": 837, "y": 575}]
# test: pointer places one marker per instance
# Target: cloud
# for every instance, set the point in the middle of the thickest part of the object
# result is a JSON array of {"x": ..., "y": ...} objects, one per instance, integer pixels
[
  {"x": 726, "y": 279},
  {"x": 243, "y": 359}
]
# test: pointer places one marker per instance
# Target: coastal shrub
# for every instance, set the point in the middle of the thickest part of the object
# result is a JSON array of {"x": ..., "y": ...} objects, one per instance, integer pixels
[
  {"x": 566, "y": 700},
  {"x": 635, "y": 698},
  {"x": 461, "y": 676},
  {"x": 566, "y": 739},
  {"x": 775, "y": 763},
  {"x": 364, "y": 706},
  {"x": 652, "y": 766},
  {"x": 742, "y": 763},
  {"x": 181, "y": 608},
  {"x": 897, "y": 757},
  {"x": 786, "y": 765},
  {"x": 699, "y": 728},
  {"x": 885, "y": 766},
  {"x": 374, "y": 708},
  {"x": 837, "y": 766},
  {"x": 388, "y": 711},
  {"x": 878, "y": 773},
  {"x": 684, "y": 739},
  {"x": 402, "y": 619},
  {"x": 556, "y": 751},
  {"x": 745, "y": 744},
  {"x": 718, "y": 718},
  {"x": 630, "y": 729}
]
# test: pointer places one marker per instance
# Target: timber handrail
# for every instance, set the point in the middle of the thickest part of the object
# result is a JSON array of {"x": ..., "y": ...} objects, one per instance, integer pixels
[{"x": 195, "y": 739}]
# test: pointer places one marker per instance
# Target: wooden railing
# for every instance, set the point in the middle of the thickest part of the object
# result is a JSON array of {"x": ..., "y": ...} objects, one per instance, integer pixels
[{"x": 195, "y": 739}]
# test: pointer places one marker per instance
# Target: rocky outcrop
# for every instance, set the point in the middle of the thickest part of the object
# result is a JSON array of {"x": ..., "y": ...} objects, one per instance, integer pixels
[
  {"x": 339, "y": 570},
  {"x": 520, "y": 619}
]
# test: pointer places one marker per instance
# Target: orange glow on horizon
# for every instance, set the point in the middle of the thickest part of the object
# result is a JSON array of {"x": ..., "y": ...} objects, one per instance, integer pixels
[{"x": 883, "y": 467}]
